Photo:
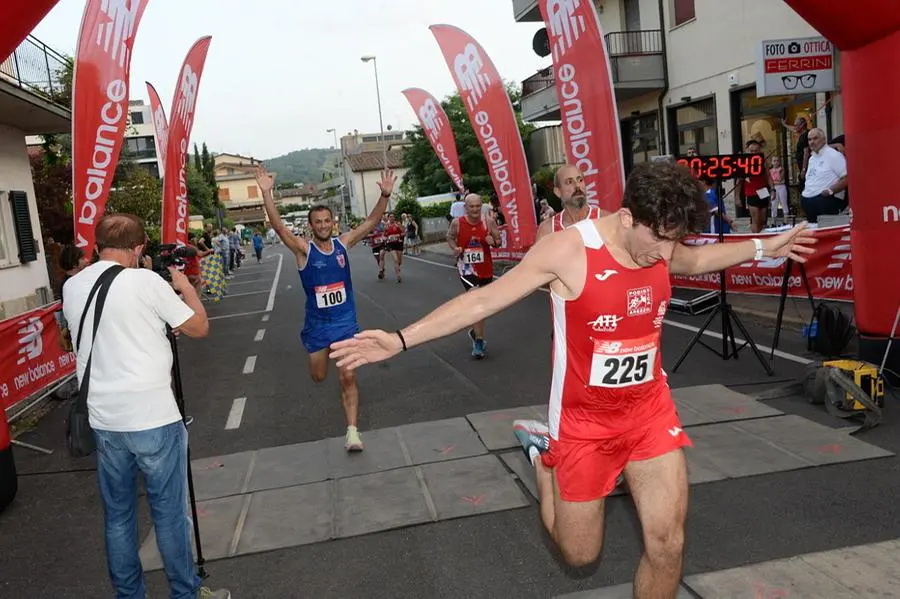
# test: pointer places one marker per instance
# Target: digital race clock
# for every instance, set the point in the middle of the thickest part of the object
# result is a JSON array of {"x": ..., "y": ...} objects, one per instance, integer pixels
[{"x": 725, "y": 166}]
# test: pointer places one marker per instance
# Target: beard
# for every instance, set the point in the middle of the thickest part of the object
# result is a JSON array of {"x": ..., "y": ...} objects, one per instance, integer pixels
[{"x": 577, "y": 201}]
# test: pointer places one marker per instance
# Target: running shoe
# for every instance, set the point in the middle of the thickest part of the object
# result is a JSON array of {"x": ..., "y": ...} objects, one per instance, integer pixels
[
  {"x": 532, "y": 434},
  {"x": 208, "y": 593},
  {"x": 478, "y": 348},
  {"x": 353, "y": 442}
]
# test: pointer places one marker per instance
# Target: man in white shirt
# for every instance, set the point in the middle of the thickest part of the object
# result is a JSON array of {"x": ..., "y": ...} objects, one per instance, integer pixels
[
  {"x": 826, "y": 179},
  {"x": 458, "y": 208},
  {"x": 132, "y": 410}
]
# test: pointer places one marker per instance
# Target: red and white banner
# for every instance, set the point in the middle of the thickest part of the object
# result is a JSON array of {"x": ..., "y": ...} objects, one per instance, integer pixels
[
  {"x": 175, "y": 201},
  {"x": 504, "y": 251},
  {"x": 491, "y": 114},
  {"x": 31, "y": 356},
  {"x": 100, "y": 107},
  {"x": 590, "y": 120},
  {"x": 828, "y": 270},
  {"x": 20, "y": 17},
  {"x": 160, "y": 125},
  {"x": 436, "y": 125}
]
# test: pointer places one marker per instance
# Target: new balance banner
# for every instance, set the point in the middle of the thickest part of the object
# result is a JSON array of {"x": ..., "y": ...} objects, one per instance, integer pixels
[
  {"x": 590, "y": 120},
  {"x": 828, "y": 270},
  {"x": 100, "y": 107},
  {"x": 160, "y": 125},
  {"x": 436, "y": 125},
  {"x": 175, "y": 200},
  {"x": 19, "y": 18},
  {"x": 491, "y": 114},
  {"x": 31, "y": 355}
]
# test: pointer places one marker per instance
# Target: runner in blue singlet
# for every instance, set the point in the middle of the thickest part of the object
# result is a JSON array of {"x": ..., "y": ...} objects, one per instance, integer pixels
[{"x": 324, "y": 266}]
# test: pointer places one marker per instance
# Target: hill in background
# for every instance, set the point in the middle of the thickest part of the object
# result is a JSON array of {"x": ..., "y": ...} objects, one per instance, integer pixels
[{"x": 304, "y": 166}]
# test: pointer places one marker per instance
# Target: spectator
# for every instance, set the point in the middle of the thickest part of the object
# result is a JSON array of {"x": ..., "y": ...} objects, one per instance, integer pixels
[
  {"x": 131, "y": 407},
  {"x": 258, "y": 245},
  {"x": 712, "y": 199},
  {"x": 223, "y": 251},
  {"x": 826, "y": 179},
  {"x": 458, "y": 207}
]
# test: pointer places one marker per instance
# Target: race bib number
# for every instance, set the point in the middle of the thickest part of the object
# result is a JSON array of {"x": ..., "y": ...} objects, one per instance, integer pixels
[
  {"x": 617, "y": 364},
  {"x": 329, "y": 296},
  {"x": 762, "y": 193},
  {"x": 475, "y": 256}
]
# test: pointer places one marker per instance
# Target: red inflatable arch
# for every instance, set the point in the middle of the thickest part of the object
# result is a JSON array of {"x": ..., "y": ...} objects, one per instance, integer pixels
[{"x": 867, "y": 32}]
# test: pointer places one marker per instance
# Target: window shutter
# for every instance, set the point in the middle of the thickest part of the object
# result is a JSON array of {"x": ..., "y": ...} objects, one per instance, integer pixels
[{"x": 22, "y": 222}]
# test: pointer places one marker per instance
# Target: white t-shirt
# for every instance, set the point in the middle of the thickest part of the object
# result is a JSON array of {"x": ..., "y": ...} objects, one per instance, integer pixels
[
  {"x": 457, "y": 209},
  {"x": 131, "y": 382},
  {"x": 825, "y": 167}
]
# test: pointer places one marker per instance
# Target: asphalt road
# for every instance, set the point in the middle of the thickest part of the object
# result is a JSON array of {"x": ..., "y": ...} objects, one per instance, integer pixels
[{"x": 51, "y": 539}]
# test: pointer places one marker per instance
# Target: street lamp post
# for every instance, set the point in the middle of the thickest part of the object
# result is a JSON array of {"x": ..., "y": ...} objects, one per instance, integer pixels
[
  {"x": 335, "y": 137},
  {"x": 380, "y": 118}
]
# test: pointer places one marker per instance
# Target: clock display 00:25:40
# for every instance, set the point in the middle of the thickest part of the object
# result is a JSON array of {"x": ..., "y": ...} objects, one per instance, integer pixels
[{"x": 725, "y": 166}]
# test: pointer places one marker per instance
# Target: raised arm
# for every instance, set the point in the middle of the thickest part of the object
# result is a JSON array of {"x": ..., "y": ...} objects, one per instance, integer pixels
[
  {"x": 695, "y": 260},
  {"x": 386, "y": 185},
  {"x": 266, "y": 182},
  {"x": 538, "y": 268}
]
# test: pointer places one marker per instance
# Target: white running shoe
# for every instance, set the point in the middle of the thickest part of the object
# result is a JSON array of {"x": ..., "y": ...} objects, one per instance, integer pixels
[{"x": 353, "y": 442}]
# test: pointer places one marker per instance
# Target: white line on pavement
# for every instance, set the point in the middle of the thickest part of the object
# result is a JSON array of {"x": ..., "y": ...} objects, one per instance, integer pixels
[
  {"x": 232, "y": 283},
  {"x": 250, "y": 364},
  {"x": 271, "y": 303},
  {"x": 236, "y": 315},
  {"x": 265, "y": 318},
  {"x": 679, "y": 325},
  {"x": 228, "y": 295},
  {"x": 236, "y": 413},
  {"x": 259, "y": 335}
]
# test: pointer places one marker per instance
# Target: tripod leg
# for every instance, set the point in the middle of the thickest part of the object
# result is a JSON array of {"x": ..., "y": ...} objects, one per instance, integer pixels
[
  {"x": 201, "y": 570},
  {"x": 696, "y": 337},
  {"x": 759, "y": 356},
  {"x": 734, "y": 348},
  {"x": 784, "y": 290}
]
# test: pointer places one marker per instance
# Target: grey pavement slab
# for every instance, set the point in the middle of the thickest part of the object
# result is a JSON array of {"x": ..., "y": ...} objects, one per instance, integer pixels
[
  {"x": 288, "y": 517},
  {"x": 221, "y": 476},
  {"x": 383, "y": 451},
  {"x": 619, "y": 591},
  {"x": 495, "y": 427},
  {"x": 519, "y": 464},
  {"x": 867, "y": 570},
  {"x": 812, "y": 441},
  {"x": 440, "y": 440},
  {"x": 700, "y": 469},
  {"x": 289, "y": 465},
  {"x": 218, "y": 522},
  {"x": 380, "y": 501},
  {"x": 472, "y": 486},
  {"x": 704, "y": 404},
  {"x": 737, "y": 453}
]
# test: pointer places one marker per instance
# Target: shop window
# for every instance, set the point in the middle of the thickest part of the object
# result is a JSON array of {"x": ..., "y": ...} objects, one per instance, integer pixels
[
  {"x": 694, "y": 126},
  {"x": 682, "y": 11},
  {"x": 644, "y": 138}
]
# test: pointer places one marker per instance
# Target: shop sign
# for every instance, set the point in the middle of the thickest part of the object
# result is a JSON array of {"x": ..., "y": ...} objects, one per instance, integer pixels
[{"x": 794, "y": 66}]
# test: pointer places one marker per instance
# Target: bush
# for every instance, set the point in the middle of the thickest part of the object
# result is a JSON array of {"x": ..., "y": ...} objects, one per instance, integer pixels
[{"x": 436, "y": 210}]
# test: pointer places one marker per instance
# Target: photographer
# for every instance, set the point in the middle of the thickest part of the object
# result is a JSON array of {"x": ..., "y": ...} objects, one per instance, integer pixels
[{"x": 135, "y": 420}]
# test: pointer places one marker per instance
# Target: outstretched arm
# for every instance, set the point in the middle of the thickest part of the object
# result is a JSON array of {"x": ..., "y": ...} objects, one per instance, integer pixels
[
  {"x": 266, "y": 182},
  {"x": 386, "y": 185},
  {"x": 695, "y": 260},
  {"x": 538, "y": 268}
]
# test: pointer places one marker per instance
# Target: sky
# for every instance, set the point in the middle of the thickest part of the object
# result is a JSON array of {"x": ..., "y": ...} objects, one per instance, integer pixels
[{"x": 281, "y": 72}]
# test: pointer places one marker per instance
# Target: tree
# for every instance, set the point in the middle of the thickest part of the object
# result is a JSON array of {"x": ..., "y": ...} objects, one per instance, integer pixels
[
  {"x": 197, "y": 164},
  {"x": 209, "y": 166},
  {"x": 52, "y": 176},
  {"x": 201, "y": 197},
  {"x": 426, "y": 174},
  {"x": 135, "y": 191}
]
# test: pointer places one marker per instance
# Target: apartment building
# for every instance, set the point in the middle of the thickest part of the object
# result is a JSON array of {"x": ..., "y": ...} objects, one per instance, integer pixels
[
  {"x": 362, "y": 160},
  {"x": 140, "y": 145},
  {"x": 238, "y": 191},
  {"x": 684, "y": 74},
  {"x": 32, "y": 102}
]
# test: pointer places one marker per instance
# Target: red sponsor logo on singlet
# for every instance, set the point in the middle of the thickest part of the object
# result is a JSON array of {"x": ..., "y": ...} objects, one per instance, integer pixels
[
  {"x": 340, "y": 260},
  {"x": 640, "y": 301}
]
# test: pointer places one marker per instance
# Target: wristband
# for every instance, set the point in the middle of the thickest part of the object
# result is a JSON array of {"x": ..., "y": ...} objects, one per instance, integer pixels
[
  {"x": 402, "y": 340},
  {"x": 759, "y": 248}
]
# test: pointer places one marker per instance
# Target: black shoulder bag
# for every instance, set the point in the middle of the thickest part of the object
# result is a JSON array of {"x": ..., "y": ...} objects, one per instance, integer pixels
[{"x": 79, "y": 436}]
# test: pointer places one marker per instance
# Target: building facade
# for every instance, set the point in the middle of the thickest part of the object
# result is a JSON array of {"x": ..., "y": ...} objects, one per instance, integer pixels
[
  {"x": 238, "y": 191},
  {"x": 364, "y": 172},
  {"x": 684, "y": 74},
  {"x": 32, "y": 102},
  {"x": 141, "y": 145}
]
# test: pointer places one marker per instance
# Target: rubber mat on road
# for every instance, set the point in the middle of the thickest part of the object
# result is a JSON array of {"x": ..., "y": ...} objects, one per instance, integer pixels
[{"x": 619, "y": 591}]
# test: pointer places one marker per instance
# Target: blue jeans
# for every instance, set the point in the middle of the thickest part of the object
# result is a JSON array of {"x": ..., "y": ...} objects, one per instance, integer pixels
[{"x": 161, "y": 455}]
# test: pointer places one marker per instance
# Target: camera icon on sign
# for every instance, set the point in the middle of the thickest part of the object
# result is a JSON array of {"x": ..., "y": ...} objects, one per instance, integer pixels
[{"x": 793, "y": 48}]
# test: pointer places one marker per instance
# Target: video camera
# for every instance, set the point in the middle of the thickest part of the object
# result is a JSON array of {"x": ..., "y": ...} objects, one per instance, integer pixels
[{"x": 171, "y": 254}]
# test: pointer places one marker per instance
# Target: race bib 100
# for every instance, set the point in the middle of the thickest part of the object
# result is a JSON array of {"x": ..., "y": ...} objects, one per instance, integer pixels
[
  {"x": 617, "y": 364},
  {"x": 328, "y": 296},
  {"x": 475, "y": 256}
]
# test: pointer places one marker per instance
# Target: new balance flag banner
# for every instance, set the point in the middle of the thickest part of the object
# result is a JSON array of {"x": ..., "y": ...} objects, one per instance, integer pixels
[
  {"x": 19, "y": 18},
  {"x": 436, "y": 126},
  {"x": 587, "y": 101},
  {"x": 491, "y": 114},
  {"x": 100, "y": 107},
  {"x": 175, "y": 200},
  {"x": 160, "y": 125}
]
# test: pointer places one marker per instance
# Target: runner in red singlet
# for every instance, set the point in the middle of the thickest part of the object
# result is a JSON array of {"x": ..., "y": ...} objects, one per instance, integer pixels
[
  {"x": 471, "y": 238},
  {"x": 393, "y": 240},
  {"x": 611, "y": 409},
  {"x": 568, "y": 185}
]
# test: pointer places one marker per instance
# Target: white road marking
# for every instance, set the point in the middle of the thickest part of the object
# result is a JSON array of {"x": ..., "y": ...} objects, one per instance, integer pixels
[
  {"x": 271, "y": 303},
  {"x": 250, "y": 364},
  {"x": 762, "y": 348},
  {"x": 259, "y": 335},
  {"x": 236, "y": 315},
  {"x": 288, "y": 287},
  {"x": 265, "y": 318},
  {"x": 236, "y": 414},
  {"x": 229, "y": 295},
  {"x": 232, "y": 283}
]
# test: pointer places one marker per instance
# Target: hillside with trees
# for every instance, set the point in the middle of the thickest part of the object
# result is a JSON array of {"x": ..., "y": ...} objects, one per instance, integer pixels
[{"x": 309, "y": 165}]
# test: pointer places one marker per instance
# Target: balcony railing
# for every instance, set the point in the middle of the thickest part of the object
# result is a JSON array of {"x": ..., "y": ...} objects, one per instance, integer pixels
[
  {"x": 36, "y": 67},
  {"x": 618, "y": 44}
]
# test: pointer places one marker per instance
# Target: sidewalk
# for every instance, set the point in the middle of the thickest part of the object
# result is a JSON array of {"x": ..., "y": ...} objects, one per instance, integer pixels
[{"x": 763, "y": 308}]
